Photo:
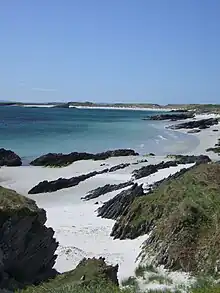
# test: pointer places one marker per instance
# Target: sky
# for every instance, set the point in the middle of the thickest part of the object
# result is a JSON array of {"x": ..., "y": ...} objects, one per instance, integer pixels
[{"x": 146, "y": 51}]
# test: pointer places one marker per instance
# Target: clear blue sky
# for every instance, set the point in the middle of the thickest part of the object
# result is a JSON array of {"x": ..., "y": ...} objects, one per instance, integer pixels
[{"x": 159, "y": 51}]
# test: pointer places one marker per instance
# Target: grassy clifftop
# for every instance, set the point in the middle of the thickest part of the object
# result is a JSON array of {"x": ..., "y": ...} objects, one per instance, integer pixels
[
  {"x": 183, "y": 215},
  {"x": 11, "y": 201}
]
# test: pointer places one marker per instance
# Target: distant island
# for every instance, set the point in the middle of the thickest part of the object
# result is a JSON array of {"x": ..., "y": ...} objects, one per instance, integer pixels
[{"x": 199, "y": 108}]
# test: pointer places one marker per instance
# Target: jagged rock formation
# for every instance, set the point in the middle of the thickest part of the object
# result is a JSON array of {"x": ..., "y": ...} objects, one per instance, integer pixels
[
  {"x": 182, "y": 216},
  {"x": 9, "y": 158},
  {"x": 118, "y": 205},
  {"x": 150, "y": 169},
  {"x": 106, "y": 189},
  {"x": 201, "y": 124},
  {"x": 60, "y": 160},
  {"x": 120, "y": 166},
  {"x": 185, "y": 159},
  {"x": 27, "y": 246},
  {"x": 90, "y": 275},
  {"x": 54, "y": 185},
  {"x": 172, "y": 117}
]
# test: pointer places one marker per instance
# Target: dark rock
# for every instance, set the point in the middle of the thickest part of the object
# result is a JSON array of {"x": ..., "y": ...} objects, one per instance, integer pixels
[
  {"x": 116, "y": 206},
  {"x": 215, "y": 130},
  {"x": 117, "y": 167},
  {"x": 106, "y": 189},
  {"x": 172, "y": 117},
  {"x": 27, "y": 246},
  {"x": 185, "y": 159},
  {"x": 194, "y": 131},
  {"x": 201, "y": 124},
  {"x": 179, "y": 111},
  {"x": 9, "y": 158},
  {"x": 59, "y": 160},
  {"x": 122, "y": 229},
  {"x": 150, "y": 169},
  {"x": 54, "y": 185},
  {"x": 50, "y": 186},
  {"x": 140, "y": 162}
]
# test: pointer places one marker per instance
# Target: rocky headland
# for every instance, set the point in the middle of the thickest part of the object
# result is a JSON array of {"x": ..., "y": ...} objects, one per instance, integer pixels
[
  {"x": 27, "y": 246},
  {"x": 9, "y": 158}
]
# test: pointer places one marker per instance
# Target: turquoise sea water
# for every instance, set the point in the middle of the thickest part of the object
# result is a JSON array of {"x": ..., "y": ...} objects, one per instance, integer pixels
[{"x": 31, "y": 132}]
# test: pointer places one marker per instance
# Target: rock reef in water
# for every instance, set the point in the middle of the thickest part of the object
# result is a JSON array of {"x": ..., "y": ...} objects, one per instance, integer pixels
[
  {"x": 60, "y": 160},
  {"x": 201, "y": 124},
  {"x": 9, "y": 158},
  {"x": 172, "y": 117},
  {"x": 27, "y": 246}
]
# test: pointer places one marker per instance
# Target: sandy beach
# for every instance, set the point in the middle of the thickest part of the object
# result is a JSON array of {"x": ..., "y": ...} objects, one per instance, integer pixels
[{"x": 77, "y": 228}]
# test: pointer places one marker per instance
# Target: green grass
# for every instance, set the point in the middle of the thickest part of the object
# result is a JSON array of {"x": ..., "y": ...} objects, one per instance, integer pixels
[
  {"x": 159, "y": 279},
  {"x": 184, "y": 217},
  {"x": 142, "y": 269},
  {"x": 11, "y": 201}
]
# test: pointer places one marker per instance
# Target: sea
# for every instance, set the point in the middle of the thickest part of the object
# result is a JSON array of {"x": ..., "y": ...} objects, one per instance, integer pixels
[{"x": 31, "y": 132}]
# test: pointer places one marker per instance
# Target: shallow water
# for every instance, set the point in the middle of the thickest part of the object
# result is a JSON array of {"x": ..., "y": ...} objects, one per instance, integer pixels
[{"x": 31, "y": 132}]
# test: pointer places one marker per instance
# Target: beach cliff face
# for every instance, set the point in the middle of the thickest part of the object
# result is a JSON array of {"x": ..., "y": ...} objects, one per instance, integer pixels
[{"x": 27, "y": 246}]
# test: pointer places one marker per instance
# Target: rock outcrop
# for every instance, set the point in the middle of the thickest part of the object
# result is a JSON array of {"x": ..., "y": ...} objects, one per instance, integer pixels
[
  {"x": 27, "y": 246},
  {"x": 150, "y": 169},
  {"x": 118, "y": 205},
  {"x": 61, "y": 183},
  {"x": 60, "y": 160},
  {"x": 185, "y": 159},
  {"x": 106, "y": 189},
  {"x": 171, "y": 117},
  {"x": 90, "y": 275},
  {"x": 9, "y": 158},
  {"x": 201, "y": 124}
]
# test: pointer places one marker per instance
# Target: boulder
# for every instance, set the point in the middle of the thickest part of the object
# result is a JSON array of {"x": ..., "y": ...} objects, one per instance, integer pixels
[
  {"x": 60, "y": 160},
  {"x": 9, "y": 158},
  {"x": 27, "y": 246}
]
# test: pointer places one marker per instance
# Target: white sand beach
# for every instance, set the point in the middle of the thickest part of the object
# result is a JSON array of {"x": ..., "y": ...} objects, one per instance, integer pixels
[{"x": 78, "y": 230}]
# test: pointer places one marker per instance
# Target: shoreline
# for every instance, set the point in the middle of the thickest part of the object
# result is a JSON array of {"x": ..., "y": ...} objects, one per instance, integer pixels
[{"x": 77, "y": 228}]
